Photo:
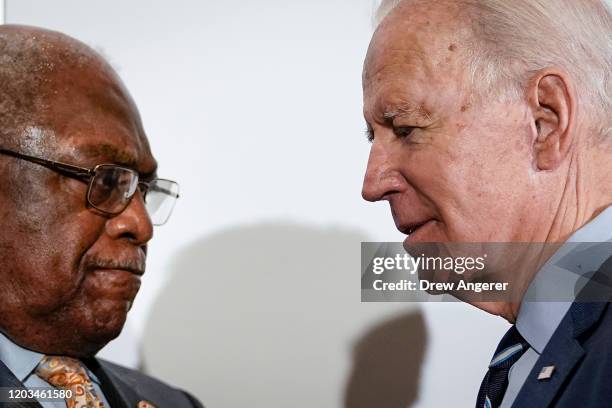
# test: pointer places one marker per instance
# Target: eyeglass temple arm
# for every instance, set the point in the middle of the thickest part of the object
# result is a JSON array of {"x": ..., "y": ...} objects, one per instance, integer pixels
[
  {"x": 76, "y": 171},
  {"x": 160, "y": 189}
]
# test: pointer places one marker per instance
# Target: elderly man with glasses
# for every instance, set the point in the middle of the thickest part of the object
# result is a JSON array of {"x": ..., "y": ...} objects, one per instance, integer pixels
[{"x": 79, "y": 198}]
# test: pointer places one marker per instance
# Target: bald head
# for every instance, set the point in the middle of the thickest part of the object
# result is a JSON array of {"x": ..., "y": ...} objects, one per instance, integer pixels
[{"x": 42, "y": 70}]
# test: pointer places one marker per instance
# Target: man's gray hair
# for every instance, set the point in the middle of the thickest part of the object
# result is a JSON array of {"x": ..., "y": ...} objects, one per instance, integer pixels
[{"x": 519, "y": 37}]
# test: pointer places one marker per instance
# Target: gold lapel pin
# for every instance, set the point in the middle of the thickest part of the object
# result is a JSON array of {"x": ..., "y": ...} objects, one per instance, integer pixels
[{"x": 546, "y": 373}]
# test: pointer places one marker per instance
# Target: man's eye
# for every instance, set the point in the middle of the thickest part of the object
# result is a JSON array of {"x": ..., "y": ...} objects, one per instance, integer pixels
[{"x": 403, "y": 132}]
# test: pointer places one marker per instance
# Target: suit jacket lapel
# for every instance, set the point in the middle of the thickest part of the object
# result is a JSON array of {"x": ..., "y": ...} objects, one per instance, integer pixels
[
  {"x": 8, "y": 380},
  {"x": 118, "y": 393},
  {"x": 564, "y": 349},
  {"x": 563, "y": 352}
]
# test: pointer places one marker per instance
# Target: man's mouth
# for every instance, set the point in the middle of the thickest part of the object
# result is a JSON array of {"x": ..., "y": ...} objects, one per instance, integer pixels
[
  {"x": 121, "y": 268},
  {"x": 411, "y": 228},
  {"x": 115, "y": 284},
  {"x": 135, "y": 265}
]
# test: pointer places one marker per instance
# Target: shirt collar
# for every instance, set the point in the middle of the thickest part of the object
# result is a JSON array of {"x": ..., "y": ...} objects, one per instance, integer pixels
[
  {"x": 22, "y": 362},
  {"x": 19, "y": 360},
  {"x": 538, "y": 320}
]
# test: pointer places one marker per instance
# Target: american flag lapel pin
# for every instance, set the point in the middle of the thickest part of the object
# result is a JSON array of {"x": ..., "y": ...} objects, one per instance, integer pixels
[{"x": 546, "y": 373}]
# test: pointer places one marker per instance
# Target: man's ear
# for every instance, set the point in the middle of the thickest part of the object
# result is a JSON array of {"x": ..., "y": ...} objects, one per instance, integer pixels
[{"x": 552, "y": 102}]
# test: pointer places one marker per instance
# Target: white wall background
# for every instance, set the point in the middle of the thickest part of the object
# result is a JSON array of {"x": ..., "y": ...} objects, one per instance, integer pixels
[{"x": 255, "y": 107}]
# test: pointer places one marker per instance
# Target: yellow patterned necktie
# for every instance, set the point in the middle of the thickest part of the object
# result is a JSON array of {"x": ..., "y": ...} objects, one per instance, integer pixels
[{"x": 70, "y": 374}]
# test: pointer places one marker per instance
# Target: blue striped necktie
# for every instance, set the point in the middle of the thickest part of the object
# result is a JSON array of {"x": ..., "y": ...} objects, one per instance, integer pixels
[{"x": 493, "y": 387}]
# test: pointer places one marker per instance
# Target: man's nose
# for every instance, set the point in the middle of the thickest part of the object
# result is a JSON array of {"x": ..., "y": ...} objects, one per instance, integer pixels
[
  {"x": 381, "y": 178},
  {"x": 132, "y": 223}
]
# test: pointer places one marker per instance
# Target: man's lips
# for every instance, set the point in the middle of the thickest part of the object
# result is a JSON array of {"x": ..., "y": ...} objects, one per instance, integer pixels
[
  {"x": 114, "y": 284},
  {"x": 411, "y": 227},
  {"x": 133, "y": 265},
  {"x": 135, "y": 271}
]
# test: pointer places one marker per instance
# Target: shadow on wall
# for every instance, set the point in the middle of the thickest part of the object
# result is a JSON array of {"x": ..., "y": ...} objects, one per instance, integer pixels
[
  {"x": 387, "y": 361},
  {"x": 265, "y": 315}
]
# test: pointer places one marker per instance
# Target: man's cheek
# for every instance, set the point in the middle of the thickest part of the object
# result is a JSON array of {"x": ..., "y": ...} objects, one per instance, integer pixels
[{"x": 48, "y": 295}]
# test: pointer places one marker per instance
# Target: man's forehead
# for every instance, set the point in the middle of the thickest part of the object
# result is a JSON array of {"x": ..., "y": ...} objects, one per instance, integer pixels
[
  {"x": 97, "y": 121},
  {"x": 394, "y": 61},
  {"x": 398, "y": 78},
  {"x": 413, "y": 35},
  {"x": 415, "y": 63},
  {"x": 96, "y": 136}
]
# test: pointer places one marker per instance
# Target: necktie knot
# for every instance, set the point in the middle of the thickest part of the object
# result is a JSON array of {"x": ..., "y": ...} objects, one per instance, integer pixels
[
  {"x": 69, "y": 374},
  {"x": 62, "y": 372},
  {"x": 508, "y": 356}
]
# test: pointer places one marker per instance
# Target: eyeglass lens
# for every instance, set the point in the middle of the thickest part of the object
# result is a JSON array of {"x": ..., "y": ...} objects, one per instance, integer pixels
[
  {"x": 160, "y": 199},
  {"x": 112, "y": 188}
]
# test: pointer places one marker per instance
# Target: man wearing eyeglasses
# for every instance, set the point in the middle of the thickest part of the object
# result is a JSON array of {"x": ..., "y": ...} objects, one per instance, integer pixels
[{"x": 78, "y": 201}]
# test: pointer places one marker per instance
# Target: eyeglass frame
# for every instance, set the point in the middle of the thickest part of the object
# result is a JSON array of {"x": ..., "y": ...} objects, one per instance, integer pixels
[{"x": 86, "y": 175}]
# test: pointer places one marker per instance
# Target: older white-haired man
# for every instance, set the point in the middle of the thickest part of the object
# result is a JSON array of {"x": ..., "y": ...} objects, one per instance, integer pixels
[{"x": 490, "y": 122}]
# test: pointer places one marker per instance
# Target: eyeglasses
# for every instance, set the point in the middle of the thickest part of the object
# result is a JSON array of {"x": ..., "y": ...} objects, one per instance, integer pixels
[{"x": 112, "y": 187}]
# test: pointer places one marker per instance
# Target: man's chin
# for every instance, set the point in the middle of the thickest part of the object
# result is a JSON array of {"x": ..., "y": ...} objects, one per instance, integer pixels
[{"x": 106, "y": 326}]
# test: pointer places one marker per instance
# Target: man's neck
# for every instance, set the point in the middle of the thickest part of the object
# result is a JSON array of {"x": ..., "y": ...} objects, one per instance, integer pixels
[{"x": 587, "y": 191}]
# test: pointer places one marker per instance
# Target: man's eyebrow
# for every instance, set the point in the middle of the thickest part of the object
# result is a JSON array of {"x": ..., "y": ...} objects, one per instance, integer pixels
[
  {"x": 406, "y": 110},
  {"x": 111, "y": 154},
  {"x": 107, "y": 152}
]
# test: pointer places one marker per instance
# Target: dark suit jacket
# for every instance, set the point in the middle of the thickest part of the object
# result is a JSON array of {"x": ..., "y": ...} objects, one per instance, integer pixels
[
  {"x": 122, "y": 387},
  {"x": 581, "y": 351}
]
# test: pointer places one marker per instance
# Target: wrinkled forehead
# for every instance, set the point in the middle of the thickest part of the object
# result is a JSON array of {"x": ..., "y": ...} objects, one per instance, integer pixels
[
  {"x": 416, "y": 61},
  {"x": 417, "y": 36}
]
